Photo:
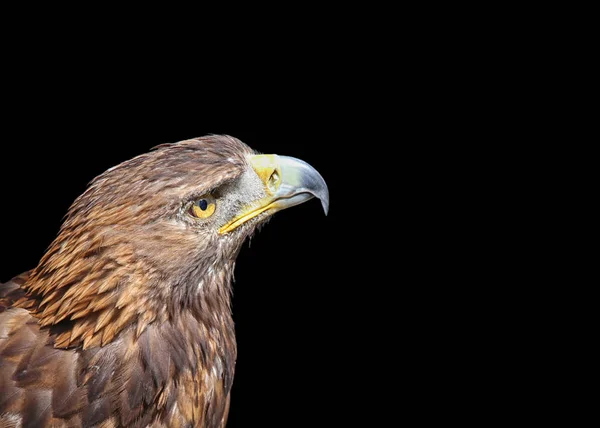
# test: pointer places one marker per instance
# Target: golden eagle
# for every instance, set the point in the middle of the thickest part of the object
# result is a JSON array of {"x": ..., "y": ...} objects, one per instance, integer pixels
[{"x": 126, "y": 320}]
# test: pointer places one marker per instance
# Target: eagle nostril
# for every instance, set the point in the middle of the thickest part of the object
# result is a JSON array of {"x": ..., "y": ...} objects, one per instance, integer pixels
[{"x": 274, "y": 181}]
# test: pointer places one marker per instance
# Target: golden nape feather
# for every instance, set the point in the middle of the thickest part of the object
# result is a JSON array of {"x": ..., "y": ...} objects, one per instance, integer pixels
[{"x": 126, "y": 320}]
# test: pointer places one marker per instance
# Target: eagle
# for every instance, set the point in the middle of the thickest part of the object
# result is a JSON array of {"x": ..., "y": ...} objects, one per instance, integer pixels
[{"x": 126, "y": 321}]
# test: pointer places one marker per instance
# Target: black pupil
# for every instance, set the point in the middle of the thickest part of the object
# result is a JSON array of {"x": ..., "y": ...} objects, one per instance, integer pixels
[{"x": 203, "y": 204}]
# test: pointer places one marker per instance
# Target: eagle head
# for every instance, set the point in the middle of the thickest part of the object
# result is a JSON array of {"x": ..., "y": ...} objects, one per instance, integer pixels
[{"x": 158, "y": 235}]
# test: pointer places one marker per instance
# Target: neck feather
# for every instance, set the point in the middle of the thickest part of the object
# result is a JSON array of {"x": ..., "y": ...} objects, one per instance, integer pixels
[{"x": 88, "y": 301}]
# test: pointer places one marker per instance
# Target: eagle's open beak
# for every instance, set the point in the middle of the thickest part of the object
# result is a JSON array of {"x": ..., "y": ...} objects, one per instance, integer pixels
[{"x": 288, "y": 182}]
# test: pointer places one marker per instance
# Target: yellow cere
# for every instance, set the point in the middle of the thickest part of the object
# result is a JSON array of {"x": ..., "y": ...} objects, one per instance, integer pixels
[
  {"x": 267, "y": 168},
  {"x": 269, "y": 171}
]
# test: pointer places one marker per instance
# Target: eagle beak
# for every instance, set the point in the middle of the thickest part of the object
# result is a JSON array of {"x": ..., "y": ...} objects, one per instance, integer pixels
[{"x": 288, "y": 182}]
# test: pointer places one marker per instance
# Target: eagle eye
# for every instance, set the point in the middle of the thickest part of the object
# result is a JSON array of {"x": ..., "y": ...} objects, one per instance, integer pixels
[{"x": 204, "y": 207}]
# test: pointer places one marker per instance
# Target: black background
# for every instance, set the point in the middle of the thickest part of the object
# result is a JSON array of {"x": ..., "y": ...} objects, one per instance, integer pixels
[
  {"x": 396, "y": 303},
  {"x": 346, "y": 318},
  {"x": 341, "y": 319}
]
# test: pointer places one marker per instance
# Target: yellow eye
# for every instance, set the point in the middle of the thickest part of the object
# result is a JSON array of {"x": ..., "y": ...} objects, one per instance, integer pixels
[{"x": 204, "y": 207}]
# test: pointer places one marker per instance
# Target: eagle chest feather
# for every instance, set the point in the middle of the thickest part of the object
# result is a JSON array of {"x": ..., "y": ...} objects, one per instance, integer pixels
[
  {"x": 175, "y": 374},
  {"x": 186, "y": 384}
]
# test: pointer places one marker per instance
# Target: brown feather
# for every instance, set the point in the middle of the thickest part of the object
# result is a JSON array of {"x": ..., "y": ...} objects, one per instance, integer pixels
[
  {"x": 111, "y": 328},
  {"x": 103, "y": 319}
]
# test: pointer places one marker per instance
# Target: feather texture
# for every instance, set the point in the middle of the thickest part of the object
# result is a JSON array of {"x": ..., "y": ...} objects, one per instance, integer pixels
[
  {"x": 112, "y": 328},
  {"x": 126, "y": 320}
]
